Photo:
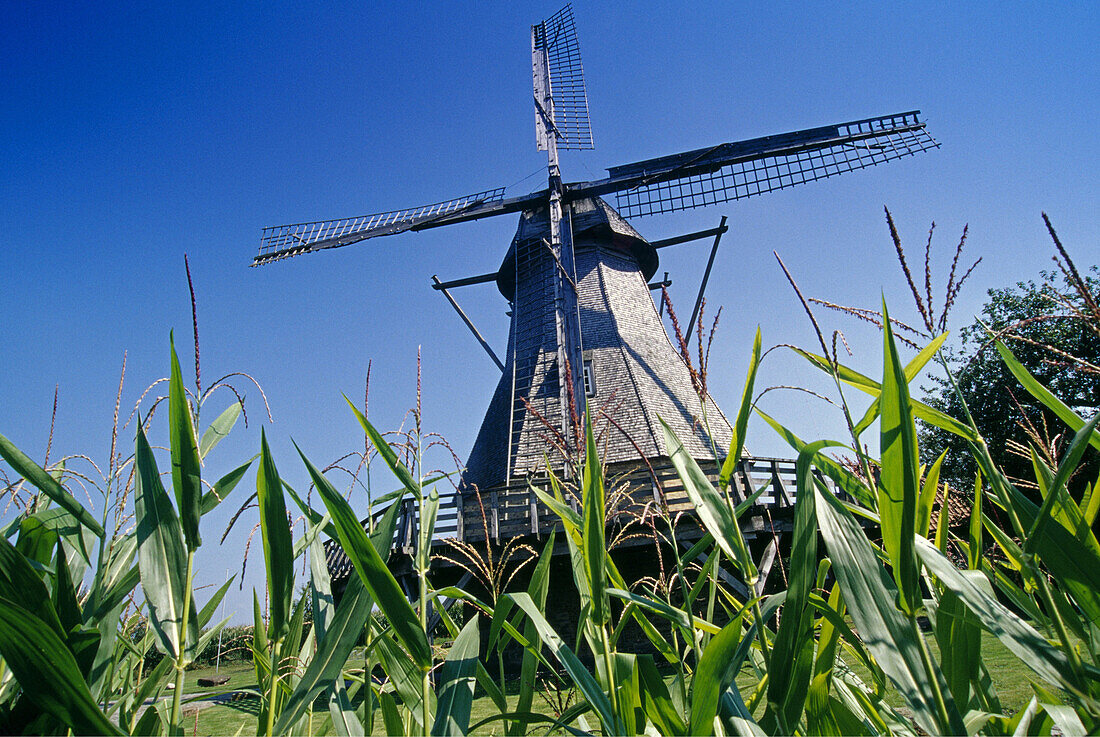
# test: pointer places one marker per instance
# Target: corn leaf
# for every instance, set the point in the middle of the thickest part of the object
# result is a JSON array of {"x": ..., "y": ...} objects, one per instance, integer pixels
[
  {"x": 186, "y": 464},
  {"x": 713, "y": 676},
  {"x": 45, "y": 483},
  {"x": 219, "y": 428},
  {"x": 278, "y": 546},
  {"x": 405, "y": 675},
  {"x": 1044, "y": 395},
  {"x": 593, "y": 547},
  {"x": 793, "y": 650},
  {"x": 584, "y": 680},
  {"x": 162, "y": 557},
  {"x": 372, "y": 570},
  {"x": 1056, "y": 496},
  {"x": 403, "y": 474},
  {"x": 224, "y": 487},
  {"x": 537, "y": 589},
  {"x": 741, "y": 425},
  {"x": 23, "y": 587},
  {"x": 391, "y": 718},
  {"x": 47, "y": 672},
  {"x": 1018, "y": 636},
  {"x": 845, "y": 480},
  {"x": 338, "y": 631},
  {"x": 712, "y": 509},
  {"x": 456, "y": 683},
  {"x": 927, "y": 497},
  {"x": 326, "y": 666},
  {"x": 899, "y": 483},
  {"x": 890, "y": 636}
]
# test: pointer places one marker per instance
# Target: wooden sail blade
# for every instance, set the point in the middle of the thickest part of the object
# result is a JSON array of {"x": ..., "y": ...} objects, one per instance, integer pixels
[
  {"x": 284, "y": 241},
  {"x": 732, "y": 171},
  {"x": 567, "y": 119}
]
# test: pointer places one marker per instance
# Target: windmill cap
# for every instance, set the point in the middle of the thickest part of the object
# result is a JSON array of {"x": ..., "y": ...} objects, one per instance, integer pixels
[{"x": 592, "y": 220}]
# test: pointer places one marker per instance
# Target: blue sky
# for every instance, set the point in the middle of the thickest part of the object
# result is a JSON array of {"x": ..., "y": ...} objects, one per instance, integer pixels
[{"x": 131, "y": 134}]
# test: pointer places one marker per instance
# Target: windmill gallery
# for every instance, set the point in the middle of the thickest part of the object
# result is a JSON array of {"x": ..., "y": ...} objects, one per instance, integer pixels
[{"x": 585, "y": 332}]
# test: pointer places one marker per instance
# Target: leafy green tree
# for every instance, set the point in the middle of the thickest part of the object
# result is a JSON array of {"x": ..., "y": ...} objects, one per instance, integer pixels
[{"x": 1053, "y": 328}]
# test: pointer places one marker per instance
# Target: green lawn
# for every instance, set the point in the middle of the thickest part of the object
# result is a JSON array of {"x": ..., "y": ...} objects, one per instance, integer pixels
[{"x": 1010, "y": 676}]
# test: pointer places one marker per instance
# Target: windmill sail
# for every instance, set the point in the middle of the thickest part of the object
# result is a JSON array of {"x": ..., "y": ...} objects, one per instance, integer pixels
[
  {"x": 561, "y": 78},
  {"x": 732, "y": 171},
  {"x": 284, "y": 241}
]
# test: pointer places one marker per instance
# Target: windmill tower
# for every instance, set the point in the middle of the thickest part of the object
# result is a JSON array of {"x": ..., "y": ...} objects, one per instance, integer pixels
[{"x": 584, "y": 329}]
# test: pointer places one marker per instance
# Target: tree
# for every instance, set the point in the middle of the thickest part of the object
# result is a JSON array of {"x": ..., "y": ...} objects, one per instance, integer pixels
[{"x": 1053, "y": 328}]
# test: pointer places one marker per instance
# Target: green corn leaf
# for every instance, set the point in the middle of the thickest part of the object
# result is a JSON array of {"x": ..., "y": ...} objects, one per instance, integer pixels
[
  {"x": 219, "y": 428},
  {"x": 47, "y": 672},
  {"x": 1091, "y": 503},
  {"x": 64, "y": 593},
  {"x": 326, "y": 666},
  {"x": 920, "y": 410},
  {"x": 45, "y": 483},
  {"x": 492, "y": 690},
  {"x": 278, "y": 546},
  {"x": 741, "y": 426},
  {"x": 344, "y": 721},
  {"x": 845, "y": 480},
  {"x": 585, "y": 682},
  {"x": 793, "y": 650},
  {"x": 259, "y": 640},
  {"x": 656, "y": 699},
  {"x": 405, "y": 676},
  {"x": 712, "y": 509},
  {"x": 403, "y": 474},
  {"x": 899, "y": 483},
  {"x": 456, "y": 683},
  {"x": 224, "y": 487},
  {"x": 391, "y": 718},
  {"x": 162, "y": 556},
  {"x": 959, "y": 639},
  {"x": 1057, "y": 491},
  {"x": 537, "y": 589},
  {"x": 211, "y": 606},
  {"x": 337, "y": 637},
  {"x": 672, "y": 614},
  {"x": 1074, "y": 565},
  {"x": 713, "y": 676},
  {"x": 186, "y": 464},
  {"x": 593, "y": 546},
  {"x": 372, "y": 570},
  {"x": 1044, "y": 395},
  {"x": 36, "y": 541},
  {"x": 426, "y": 527},
  {"x": 927, "y": 496},
  {"x": 1018, "y": 636},
  {"x": 974, "y": 554},
  {"x": 21, "y": 585},
  {"x": 912, "y": 369},
  {"x": 890, "y": 636}
]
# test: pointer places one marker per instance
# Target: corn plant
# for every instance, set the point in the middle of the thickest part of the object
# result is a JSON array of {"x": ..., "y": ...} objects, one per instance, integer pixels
[{"x": 65, "y": 665}]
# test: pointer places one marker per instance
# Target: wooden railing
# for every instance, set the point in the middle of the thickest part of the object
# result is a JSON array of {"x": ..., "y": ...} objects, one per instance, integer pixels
[{"x": 513, "y": 510}]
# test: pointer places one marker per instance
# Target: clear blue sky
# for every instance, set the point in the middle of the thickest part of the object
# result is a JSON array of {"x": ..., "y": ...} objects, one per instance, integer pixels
[{"x": 132, "y": 133}]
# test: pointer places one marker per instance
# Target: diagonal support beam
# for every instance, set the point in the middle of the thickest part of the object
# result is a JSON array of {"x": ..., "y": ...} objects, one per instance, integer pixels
[
  {"x": 439, "y": 286},
  {"x": 706, "y": 276}
]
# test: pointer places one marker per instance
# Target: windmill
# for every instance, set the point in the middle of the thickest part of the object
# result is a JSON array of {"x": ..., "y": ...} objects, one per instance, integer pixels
[{"x": 583, "y": 324}]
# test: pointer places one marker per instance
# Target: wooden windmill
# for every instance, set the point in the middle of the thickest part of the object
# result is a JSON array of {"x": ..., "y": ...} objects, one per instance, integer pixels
[{"x": 584, "y": 328}]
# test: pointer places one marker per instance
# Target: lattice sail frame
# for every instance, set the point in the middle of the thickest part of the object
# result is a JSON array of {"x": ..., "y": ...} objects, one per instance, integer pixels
[
  {"x": 557, "y": 38},
  {"x": 284, "y": 241},
  {"x": 753, "y": 167}
]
